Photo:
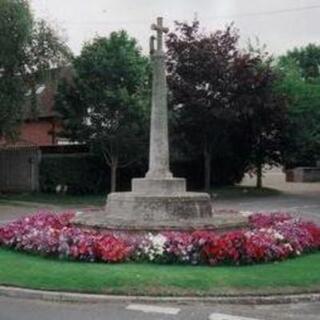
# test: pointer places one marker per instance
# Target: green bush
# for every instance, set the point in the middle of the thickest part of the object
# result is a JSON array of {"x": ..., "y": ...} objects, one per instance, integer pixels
[
  {"x": 224, "y": 172},
  {"x": 88, "y": 174},
  {"x": 82, "y": 174}
]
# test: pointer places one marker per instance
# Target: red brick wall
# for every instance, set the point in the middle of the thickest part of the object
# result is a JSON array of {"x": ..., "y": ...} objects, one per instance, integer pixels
[{"x": 39, "y": 132}]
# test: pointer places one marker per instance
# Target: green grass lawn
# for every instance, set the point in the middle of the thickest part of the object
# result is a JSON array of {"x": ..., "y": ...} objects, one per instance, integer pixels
[
  {"x": 233, "y": 192},
  {"x": 230, "y": 192},
  {"x": 297, "y": 275},
  {"x": 54, "y": 199}
]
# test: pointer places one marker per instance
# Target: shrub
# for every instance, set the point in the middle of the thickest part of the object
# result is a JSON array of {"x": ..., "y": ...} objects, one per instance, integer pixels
[{"x": 82, "y": 174}]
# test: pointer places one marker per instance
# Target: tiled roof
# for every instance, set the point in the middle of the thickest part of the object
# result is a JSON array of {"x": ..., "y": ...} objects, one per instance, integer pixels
[{"x": 45, "y": 95}]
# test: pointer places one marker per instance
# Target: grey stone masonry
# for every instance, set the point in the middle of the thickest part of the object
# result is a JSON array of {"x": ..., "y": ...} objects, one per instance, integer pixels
[
  {"x": 159, "y": 146},
  {"x": 168, "y": 186},
  {"x": 157, "y": 208}
]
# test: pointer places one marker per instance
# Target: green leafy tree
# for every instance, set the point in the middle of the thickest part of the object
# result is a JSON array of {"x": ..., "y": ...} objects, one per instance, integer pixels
[
  {"x": 307, "y": 61},
  {"x": 264, "y": 112},
  {"x": 106, "y": 105},
  {"x": 46, "y": 51},
  {"x": 28, "y": 48},
  {"x": 302, "y": 147},
  {"x": 15, "y": 25}
]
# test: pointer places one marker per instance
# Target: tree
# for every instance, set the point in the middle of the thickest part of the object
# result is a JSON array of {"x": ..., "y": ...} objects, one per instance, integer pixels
[
  {"x": 302, "y": 144},
  {"x": 106, "y": 104},
  {"x": 46, "y": 51},
  {"x": 222, "y": 98},
  {"x": 306, "y": 59},
  {"x": 263, "y": 111},
  {"x": 15, "y": 25},
  {"x": 199, "y": 80},
  {"x": 28, "y": 48}
]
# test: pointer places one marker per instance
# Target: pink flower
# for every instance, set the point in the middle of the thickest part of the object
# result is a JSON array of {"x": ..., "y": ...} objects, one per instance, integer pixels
[{"x": 271, "y": 237}]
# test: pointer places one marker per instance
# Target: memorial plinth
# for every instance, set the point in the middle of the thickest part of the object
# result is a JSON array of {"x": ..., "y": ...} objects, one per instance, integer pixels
[{"x": 158, "y": 207}]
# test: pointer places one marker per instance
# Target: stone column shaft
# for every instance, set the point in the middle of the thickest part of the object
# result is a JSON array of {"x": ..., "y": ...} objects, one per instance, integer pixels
[{"x": 159, "y": 145}]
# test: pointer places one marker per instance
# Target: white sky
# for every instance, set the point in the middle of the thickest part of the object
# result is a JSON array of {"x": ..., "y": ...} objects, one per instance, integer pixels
[{"x": 81, "y": 20}]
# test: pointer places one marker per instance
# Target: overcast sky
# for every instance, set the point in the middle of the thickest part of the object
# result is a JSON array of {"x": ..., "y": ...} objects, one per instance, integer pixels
[{"x": 280, "y": 24}]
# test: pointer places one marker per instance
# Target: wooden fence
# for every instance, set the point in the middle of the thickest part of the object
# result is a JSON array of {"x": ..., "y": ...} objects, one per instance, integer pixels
[{"x": 19, "y": 169}]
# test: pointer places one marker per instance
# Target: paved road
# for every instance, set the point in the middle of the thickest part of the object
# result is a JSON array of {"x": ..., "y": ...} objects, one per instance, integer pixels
[
  {"x": 303, "y": 204},
  {"x": 16, "y": 309},
  {"x": 13, "y": 210},
  {"x": 300, "y": 198}
]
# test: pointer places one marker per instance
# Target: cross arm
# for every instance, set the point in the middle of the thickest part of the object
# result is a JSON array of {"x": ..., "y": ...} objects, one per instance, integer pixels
[{"x": 159, "y": 28}]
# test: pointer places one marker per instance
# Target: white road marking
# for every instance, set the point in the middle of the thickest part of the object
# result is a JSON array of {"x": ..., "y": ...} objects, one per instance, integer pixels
[
  {"x": 152, "y": 309},
  {"x": 220, "y": 316}
]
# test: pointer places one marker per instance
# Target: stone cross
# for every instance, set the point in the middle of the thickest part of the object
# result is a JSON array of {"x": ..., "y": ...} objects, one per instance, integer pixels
[
  {"x": 159, "y": 146},
  {"x": 160, "y": 30}
]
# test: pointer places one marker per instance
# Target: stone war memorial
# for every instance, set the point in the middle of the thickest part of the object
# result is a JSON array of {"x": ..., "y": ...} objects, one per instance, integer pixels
[
  {"x": 159, "y": 200},
  {"x": 127, "y": 255}
]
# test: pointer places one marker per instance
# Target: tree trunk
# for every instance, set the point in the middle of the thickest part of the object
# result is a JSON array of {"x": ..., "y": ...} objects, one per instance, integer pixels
[
  {"x": 259, "y": 176},
  {"x": 207, "y": 170},
  {"x": 113, "y": 177}
]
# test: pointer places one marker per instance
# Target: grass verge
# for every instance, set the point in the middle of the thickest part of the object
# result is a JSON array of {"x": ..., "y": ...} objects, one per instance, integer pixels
[
  {"x": 24, "y": 270},
  {"x": 54, "y": 199},
  {"x": 235, "y": 192},
  {"x": 229, "y": 192}
]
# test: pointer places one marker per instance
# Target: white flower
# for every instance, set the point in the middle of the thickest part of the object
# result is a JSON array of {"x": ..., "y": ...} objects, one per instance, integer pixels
[
  {"x": 154, "y": 246},
  {"x": 249, "y": 234},
  {"x": 278, "y": 236},
  {"x": 190, "y": 247},
  {"x": 288, "y": 245}
]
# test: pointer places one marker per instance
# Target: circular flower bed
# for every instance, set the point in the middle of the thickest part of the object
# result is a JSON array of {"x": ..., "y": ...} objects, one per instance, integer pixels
[{"x": 270, "y": 237}]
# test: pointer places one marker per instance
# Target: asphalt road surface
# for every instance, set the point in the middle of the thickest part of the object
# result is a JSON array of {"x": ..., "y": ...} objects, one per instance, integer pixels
[{"x": 17, "y": 309}]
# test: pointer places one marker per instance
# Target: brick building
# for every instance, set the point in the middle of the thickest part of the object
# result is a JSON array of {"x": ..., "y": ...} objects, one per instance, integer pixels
[
  {"x": 38, "y": 136},
  {"x": 41, "y": 125}
]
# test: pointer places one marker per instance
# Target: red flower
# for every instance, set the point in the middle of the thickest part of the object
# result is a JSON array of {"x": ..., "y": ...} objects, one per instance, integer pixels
[{"x": 111, "y": 249}]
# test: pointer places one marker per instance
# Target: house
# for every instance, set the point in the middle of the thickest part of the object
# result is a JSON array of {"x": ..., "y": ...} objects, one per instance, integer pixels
[
  {"x": 41, "y": 123},
  {"x": 38, "y": 137}
]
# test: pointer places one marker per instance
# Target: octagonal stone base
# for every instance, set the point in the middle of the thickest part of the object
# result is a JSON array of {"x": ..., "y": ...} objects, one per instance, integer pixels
[
  {"x": 219, "y": 222},
  {"x": 158, "y": 204},
  {"x": 144, "y": 207}
]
